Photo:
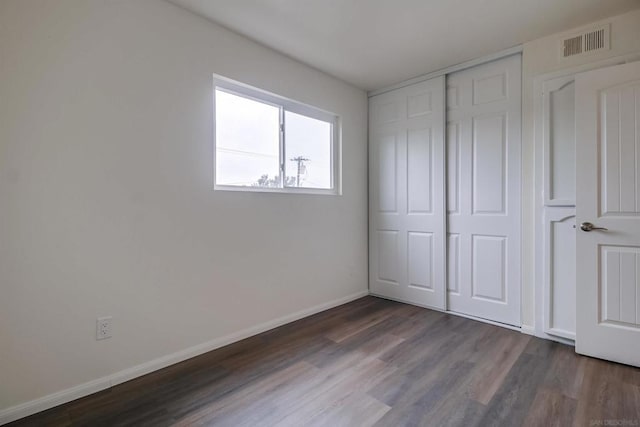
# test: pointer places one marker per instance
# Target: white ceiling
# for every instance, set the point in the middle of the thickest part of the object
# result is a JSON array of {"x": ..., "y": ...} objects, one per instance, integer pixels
[{"x": 375, "y": 43}]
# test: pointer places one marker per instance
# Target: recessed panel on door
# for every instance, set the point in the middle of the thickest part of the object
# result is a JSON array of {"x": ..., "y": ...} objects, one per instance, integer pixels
[
  {"x": 560, "y": 272},
  {"x": 453, "y": 167},
  {"x": 488, "y": 276},
  {"x": 620, "y": 183},
  {"x": 490, "y": 88},
  {"x": 387, "y": 173},
  {"x": 419, "y": 104},
  {"x": 619, "y": 302},
  {"x": 419, "y": 171},
  {"x": 420, "y": 259},
  {"x": 489, "y": 157},
  {"x": 388, "y": 259},
  {"x": 559, "y": 142},
  {"x": 453, "y": 263}
]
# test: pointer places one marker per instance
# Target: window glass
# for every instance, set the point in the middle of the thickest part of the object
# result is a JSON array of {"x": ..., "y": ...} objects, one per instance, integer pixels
[
  {"x": 308, "y": 152},
  {"x": 247, "y": 141}
]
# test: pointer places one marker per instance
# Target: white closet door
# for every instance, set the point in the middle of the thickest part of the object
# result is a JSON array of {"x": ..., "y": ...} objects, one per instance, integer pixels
[
  {"x": 483, "y": 167},
  {"x": 407, "y": 194}
]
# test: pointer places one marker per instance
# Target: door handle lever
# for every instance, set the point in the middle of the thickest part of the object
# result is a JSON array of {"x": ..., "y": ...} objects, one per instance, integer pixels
[{"x": 587, "y": 226}]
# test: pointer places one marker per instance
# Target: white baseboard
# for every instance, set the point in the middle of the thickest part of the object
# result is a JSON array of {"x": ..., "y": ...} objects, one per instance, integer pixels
[
  {"x": 490, "y": 322},
  {"x": 406, "y": 302},
  {"x": 531, "y": 330},
  {"x": 22, "y": 410},
  {"x": 527, "y": 329}
]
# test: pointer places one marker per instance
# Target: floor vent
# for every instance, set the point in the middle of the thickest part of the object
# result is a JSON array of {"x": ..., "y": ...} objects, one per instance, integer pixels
[{"x": 585, "y": 42}]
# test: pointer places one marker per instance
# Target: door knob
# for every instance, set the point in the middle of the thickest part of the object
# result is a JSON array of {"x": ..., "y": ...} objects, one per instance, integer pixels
[{"x": 587, "y": 226}]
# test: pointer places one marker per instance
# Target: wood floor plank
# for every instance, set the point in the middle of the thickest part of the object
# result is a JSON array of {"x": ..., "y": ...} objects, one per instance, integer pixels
[
  {"x": 550, "y": 408},
  {"x": 246, "y": 405},
  {"x": 510, "y": 404},
  {"x": 352, "y": 328},
  {"x": 631, "y": 401},
  {"x": 423, "y": 361},
  {"x": 605, "y": 394},
  {"x": 567, "y": 371},
  {"x": 498, "y": 360},
  {"x": 457, "y": 411},
  {"x": 371, "y": 362},
  {"x": 357, "y": 409},
  {"x": 417, "y": 406},
  {"x": 347, "y": 375}
]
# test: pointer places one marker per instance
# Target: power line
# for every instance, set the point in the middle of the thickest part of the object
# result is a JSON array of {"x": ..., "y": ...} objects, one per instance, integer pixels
[
  {"x": 243, "y": 152},
  {"x": 300, "y": 160}
]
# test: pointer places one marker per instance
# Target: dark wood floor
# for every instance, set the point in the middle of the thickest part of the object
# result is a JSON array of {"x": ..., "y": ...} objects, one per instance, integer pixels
[{"x": 372, "y": 362}]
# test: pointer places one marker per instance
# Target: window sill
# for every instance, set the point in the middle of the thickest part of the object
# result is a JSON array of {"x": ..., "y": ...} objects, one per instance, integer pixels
[{"x": 289, "y": 190}]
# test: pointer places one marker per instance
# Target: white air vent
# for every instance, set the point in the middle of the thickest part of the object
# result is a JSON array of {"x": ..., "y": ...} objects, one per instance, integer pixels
[
  {"x": 595, "y": 39},
  {"x": 572, "y": 46}
]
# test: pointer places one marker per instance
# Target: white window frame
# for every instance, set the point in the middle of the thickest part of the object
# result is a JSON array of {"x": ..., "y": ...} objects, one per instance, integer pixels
[{"x": 284, "y": 104}]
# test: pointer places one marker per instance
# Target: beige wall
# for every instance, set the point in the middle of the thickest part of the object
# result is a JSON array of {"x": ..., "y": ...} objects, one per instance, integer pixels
[
  {"x": 106, "y": 200},
  {"x": 540, "y": 57}
]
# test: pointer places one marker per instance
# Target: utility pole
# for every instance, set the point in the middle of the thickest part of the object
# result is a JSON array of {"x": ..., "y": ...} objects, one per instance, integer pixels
[{"x": 300, "y": 160}]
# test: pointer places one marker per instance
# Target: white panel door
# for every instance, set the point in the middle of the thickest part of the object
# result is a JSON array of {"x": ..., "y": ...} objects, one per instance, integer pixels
[
  {"x": 608, "y": 196},
  {"x": 407, "y": 200},
  {"x": 483, "y": 180}
]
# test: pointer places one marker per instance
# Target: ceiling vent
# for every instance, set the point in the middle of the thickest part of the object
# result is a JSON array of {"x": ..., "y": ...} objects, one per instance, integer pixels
[{"x": 586, "y": 42}]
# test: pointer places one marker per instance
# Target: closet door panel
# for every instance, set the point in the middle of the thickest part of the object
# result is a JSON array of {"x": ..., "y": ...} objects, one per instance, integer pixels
[
  {"x": 407, "y": 194},
  {"x": 484, "y": 203}
]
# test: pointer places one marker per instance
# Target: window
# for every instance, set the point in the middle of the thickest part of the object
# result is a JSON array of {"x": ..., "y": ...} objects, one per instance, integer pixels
[{"x": 264, "y": 142}]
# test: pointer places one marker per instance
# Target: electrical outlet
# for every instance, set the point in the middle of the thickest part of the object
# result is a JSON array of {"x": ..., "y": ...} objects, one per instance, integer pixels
[{"x": 103, "y": 328}]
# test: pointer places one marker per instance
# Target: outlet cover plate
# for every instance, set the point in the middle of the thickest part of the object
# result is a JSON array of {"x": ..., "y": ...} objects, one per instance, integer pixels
[{"x": 103, "y": 327}]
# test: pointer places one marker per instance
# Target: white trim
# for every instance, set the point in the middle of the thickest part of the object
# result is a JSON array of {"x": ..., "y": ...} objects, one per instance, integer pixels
[
  {"x": 277, "y": 190},
  {"x": 528, "y": 330},
  {"x": 22, "y": 410},
  {"x": 561, "y": 333},
  {"x": 561, "y": 340},
  {"x": 531, "y": 330},
  {"x": 539, "y": 80},
  {"x": 428, "y": 307},
  {"x": 448, "y": 70},
  {"x": 480, "y": 319},
  {"x": 260, "y": 95}
]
